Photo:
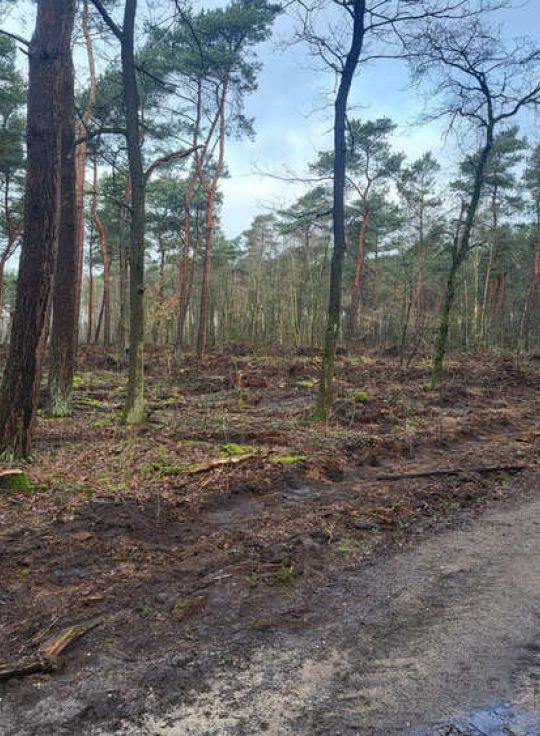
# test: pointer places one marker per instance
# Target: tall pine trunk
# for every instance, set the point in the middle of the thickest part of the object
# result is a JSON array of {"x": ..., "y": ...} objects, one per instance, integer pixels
[
  {"x": 123, "y": 272},
  {"x": 134, "y": 406},
  {"x": 81, "y": 153},
  {"x": 357, "y": 280},
  {"x": 205, "y": 281},
  {"x": 63, "y": 338},
  {"x": 184, "y": 292},
  {"x": 105, "y": 312},
  {"x": 211, "y": 194},
  {"x": 49, "y": 53}
]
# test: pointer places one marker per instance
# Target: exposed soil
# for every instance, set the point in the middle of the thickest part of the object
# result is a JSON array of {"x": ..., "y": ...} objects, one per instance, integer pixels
[{"x": 198, "y": 576}]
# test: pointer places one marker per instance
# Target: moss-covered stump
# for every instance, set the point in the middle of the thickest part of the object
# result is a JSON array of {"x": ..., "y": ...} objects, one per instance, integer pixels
[{"x": 14, "y": 481}]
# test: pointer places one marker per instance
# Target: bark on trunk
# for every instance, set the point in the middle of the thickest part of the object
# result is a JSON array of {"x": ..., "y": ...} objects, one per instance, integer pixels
[
  {"x": 134, "y": 406},
  {"x": 81, "y": 153},
  {"x": 90, "y": 300},
  {"x": 357, "y": 281},
  {"x": 459, "y": 253},
  {"x": 105, "y": 313},
  {"x": 324, "y": 400},
  {"x": 205, "y": 281},
  {"x": 184, "y": 293},
  {"x": 49, "y": 53},
  {"x": 211, "y": 193},
  {"x": 63, "y": 342},
  {"x": 123, "y": 273},
  {"x": 531, "y": 292}
]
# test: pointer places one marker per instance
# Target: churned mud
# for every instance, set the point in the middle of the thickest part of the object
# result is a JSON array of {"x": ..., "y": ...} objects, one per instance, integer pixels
[{"x": 249, "y": 571}]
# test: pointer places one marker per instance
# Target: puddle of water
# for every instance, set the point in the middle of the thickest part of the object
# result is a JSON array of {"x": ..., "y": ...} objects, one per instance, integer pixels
[
  {"x": 329, "y": 492},
  {"x": 238, "y": 513},
  {"x": 499, "y": 720}
]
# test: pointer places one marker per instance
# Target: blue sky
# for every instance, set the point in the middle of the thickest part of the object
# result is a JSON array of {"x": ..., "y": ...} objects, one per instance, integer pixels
[
  {"x": 293, "y": 118},
  {"x": 293, "y": 115}
]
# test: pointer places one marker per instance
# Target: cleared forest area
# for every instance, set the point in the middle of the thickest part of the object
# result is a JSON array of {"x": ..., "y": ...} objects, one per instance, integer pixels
[
  {"x": 230, "y": 504},
  {"x": 239, "y": 373}
]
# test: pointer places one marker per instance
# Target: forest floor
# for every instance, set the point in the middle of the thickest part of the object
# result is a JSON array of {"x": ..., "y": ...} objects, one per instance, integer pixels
[{"x": 231, "y": 519}]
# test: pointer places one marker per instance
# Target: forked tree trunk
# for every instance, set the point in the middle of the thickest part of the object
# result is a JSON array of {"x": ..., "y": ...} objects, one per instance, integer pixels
[
  {"x": 49, "y": 53},
  {"x": 63, "y": 338}
]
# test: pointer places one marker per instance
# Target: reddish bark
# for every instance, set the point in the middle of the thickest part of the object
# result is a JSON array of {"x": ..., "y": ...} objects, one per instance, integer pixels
[
  {"x": 210, "y": 189},
  {"x": 81, "y": 153},
  {"x": 357, "y": 280},
  {"x": 49, "y": 54},
  {"x": 105, "y": 312},
  {"x": 63, "y": 342}
]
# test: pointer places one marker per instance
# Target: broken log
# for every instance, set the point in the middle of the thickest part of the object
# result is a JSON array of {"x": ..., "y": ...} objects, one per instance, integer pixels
[
  {"x": 211, "y": 464},
  {"x": 47, "y": 659},
  {"x": 453, "y": 471}
]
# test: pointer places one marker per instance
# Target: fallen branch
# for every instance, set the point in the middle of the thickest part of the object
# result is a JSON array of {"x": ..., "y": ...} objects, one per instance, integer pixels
[
  {"x": 454, "y": 471},
  {"x": 211, "y": 464},
  {"x": 47, "y": 659}
]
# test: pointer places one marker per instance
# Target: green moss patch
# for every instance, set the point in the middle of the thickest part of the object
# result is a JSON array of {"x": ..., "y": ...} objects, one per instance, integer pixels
[{"x": 289, "y": 459}]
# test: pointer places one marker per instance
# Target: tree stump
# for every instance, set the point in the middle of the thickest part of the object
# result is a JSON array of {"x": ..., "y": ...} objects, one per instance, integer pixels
[{"x": 14, "y": 481}]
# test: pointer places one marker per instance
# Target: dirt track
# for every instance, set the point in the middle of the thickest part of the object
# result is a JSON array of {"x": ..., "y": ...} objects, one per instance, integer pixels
[
  {"x": 410, "y": 645},
  {"x": 413, "y": 644},
  {"x": 418, "y": 643}
]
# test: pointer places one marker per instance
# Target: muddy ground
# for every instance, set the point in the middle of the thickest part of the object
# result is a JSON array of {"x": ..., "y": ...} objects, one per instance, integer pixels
[{"x": 231, "y": 527}]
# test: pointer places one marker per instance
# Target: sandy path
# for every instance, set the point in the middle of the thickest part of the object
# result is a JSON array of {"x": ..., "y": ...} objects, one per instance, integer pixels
[{"x": 413, "y": 644}]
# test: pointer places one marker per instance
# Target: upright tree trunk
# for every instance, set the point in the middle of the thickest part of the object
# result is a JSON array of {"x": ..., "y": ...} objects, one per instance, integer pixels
[
  {"x": 90, "y": 300},
  {"x": 49, "y": 53},
  {"x": 531, "y": 292},
  {"x": 205, "y": 280},
  {"x": 9, "y": 250},
  {"x": 185, "y": 289},
  {"x": 134, "y": 406},
  {"x": 324, "y": 400},
  {"x": 211, "y": 193},
  {"x": 459, "y": 253},
  {"x": 184, "y": 292},
  {"x": 63, "y": 339},
  {"x": 357, "y": 280},
  {"x": 105, "y": 313},
  {"x": 489, "y": 267},
  {"x": 123, "y": 272},
  {"x": 301, "y": 287},
  {"x": 81, "y": 153},
  {"x": 160, "y": 293}
]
